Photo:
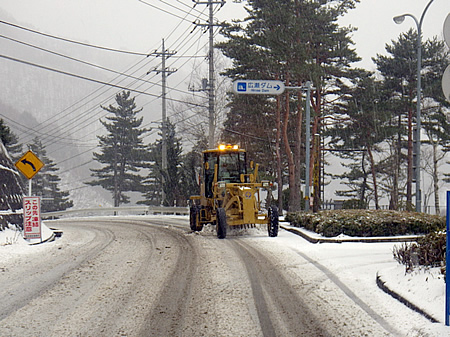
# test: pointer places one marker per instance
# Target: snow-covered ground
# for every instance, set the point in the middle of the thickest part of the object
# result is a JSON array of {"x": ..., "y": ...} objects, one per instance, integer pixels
[{"x": 355, "y": 264}]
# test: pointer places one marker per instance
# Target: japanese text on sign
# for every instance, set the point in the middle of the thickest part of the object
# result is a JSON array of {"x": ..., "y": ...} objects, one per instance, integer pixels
[
  {"x": 269, "y": 87},
  {"x": 31, "y": 217}
]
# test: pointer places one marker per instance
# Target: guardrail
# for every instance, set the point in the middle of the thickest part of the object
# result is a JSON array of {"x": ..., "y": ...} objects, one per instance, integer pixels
[{"x": 130, "y": 210}]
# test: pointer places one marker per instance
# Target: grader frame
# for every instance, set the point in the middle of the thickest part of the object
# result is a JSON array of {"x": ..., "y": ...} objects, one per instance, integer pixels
[{"x": 229, "y": 195}]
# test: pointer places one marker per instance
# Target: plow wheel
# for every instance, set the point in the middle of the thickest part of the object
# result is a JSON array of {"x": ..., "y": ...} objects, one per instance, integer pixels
[
  {"x": 272, "y": 226},
  {"x": 193, "y": 219},
  {"x": 221, "y": 226}
]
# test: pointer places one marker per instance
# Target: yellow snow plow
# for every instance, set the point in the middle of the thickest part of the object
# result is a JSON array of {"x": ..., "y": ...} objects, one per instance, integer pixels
[{"x": 230, "y": 194}]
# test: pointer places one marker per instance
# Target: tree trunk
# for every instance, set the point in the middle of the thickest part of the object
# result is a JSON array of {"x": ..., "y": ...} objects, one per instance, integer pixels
[
  {"x": 316, "y": 174},
  {"x": 278, "y": 155},
  {"x": 362, "y": 193},
  {"x": 116, "y": 183},
  {"x": 393, "y": 204},
  {"x": 298, "y": 147},
  {"x": 436, "y": 179},
  {"x": 374, "y": 178}
]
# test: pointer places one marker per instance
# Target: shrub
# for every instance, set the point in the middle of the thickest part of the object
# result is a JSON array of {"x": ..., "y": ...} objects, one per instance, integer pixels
[
  {"x": 428, "y": 251},
  {"x": 354, "y": 204},
  {"x": 367, "y": 222}
]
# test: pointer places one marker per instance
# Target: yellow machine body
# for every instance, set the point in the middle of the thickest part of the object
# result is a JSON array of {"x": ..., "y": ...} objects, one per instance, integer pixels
[{"x": 229, "y": 192}]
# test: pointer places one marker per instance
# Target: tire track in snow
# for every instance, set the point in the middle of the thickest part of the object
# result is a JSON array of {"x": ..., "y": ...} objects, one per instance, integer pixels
[
  {"x": 166, "y": 319},
  {"x": 347, "y": 291},
  {"x": 273, "y": 294},
  {"x": 48, "y": 274}
]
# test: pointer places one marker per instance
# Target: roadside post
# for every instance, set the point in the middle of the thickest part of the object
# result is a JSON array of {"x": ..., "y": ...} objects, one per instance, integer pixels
[
  {"x": 447, "y": 272},
  {"x": 29, "y": 165}
]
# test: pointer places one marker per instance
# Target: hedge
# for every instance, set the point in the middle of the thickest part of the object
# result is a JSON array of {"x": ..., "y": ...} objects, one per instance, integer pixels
[{"x": 365, "y": 223}]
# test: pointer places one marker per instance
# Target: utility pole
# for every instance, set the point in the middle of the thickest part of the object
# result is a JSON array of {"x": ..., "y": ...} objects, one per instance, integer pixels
[
  {"x": 211, "y": 91},
  {"x": 164, "y": 73}
]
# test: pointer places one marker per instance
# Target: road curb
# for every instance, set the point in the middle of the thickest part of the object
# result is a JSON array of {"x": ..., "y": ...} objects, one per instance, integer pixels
[
  {"x": 298, "y": 231},
  {"x": 382, "y": 285},
  {"x": 380, "y": 282}
]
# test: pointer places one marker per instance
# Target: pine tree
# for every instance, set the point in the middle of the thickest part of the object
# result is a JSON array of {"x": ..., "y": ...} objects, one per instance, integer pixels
[
  {"x": 122, "y": 152},
  {"x": 10, "y": 141},
  {"x": 172, "y": 175},
  {"x": 45, "y": 182},
  {"x": 190, "y": 170},
  {"x": 293, "y": 41},
  {"x": 366, "y": 125},
  {"x": 11, "y": 191},
  {"x": 399, "y": 71},
  {"x": 434, "y": 112}
]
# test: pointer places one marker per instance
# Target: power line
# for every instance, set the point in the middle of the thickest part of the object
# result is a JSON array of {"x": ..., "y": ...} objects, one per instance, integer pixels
[
  {"x": 25, "y": 129},
  {"x": 85, "y": 62},
  {"x": 72, "y": 41},
  {"x": 173, "y": 6},
  {"x": 78, "y": 117},
  {"x": 166, "y": 11},
  {"x": 192, "y": 8},
  {"x": 171, "y": 88},
  {"x": 79, "y": 125},
  {"x": 108, "y": 84},
  {"x": 84, "y": 77}
]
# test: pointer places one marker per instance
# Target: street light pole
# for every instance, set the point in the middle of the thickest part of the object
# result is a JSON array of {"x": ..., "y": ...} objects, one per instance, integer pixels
[{"x": 398, "y": 20}]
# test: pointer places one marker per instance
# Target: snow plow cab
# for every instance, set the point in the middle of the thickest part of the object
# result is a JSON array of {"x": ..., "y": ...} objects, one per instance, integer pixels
[{"x": 230, "y": 194}]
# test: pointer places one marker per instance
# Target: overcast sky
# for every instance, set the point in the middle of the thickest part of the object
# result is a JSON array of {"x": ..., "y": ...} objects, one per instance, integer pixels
[
  {"x": 140, "y": 25},
  {"x": 134, "y": 25}
]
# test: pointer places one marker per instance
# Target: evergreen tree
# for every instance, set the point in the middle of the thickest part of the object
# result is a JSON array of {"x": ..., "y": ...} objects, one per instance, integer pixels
[
  {"x": 10, "y": 140},
  {"x": 434, "y": 113},
  {"x": 173, "y": 192},
  {"x": 190, "y": 171},
  {"x": 366, "y": 125},
  {"x": 399, "y": 71},
  {"x": 122, "y": 152},
  {"x": 45, "y": 182},
  {"x": 293, "y": 41}
]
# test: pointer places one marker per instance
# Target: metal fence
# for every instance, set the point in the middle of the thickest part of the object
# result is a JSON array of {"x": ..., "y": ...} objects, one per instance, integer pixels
[
  {"x": 130, "y": 210},
  {"x": 337, "y": 204}
]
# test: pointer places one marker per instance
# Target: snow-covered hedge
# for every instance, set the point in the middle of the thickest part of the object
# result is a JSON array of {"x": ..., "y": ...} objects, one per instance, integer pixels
[
  {"x": 359, "y": 222},
  {"x": 428, "y": 251}
]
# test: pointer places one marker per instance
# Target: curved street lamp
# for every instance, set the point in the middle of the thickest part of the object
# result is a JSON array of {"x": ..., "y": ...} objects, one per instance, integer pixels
[{"x": 398, "y": 20}]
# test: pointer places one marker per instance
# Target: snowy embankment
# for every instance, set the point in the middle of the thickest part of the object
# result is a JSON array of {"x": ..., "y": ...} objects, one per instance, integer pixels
[{"x": 423, "y": 289}]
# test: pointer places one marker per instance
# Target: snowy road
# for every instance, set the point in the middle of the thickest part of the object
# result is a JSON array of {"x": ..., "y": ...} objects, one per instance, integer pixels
[{"x": 153, "y": 277}]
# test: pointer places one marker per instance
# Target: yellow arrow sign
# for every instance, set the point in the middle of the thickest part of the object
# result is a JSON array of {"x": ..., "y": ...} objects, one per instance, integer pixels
[{"x": 29, "y": 164}]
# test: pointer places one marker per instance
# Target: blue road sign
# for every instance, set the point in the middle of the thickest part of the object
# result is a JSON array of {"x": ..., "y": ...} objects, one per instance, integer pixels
[{"x": 258, "y": 87}]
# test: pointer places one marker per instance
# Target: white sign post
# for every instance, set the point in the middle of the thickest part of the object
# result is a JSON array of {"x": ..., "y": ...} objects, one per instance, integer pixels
[
  {"x": 258, "y": 87},
  {"x": 32, "y": 218}
]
